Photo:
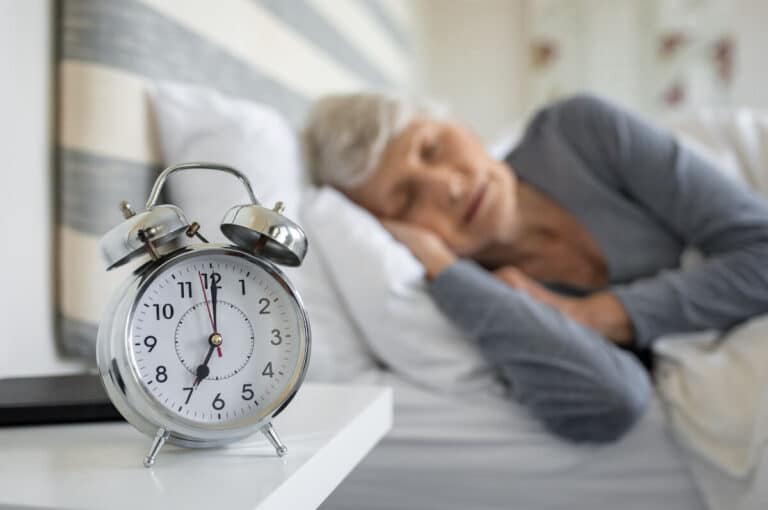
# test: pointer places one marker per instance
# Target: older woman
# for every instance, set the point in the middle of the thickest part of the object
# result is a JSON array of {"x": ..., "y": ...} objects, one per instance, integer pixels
[{"x": 562, "y": 261}]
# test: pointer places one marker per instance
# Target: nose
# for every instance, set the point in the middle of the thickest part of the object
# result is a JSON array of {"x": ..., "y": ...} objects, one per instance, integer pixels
[{"x": 446, "y": 187}]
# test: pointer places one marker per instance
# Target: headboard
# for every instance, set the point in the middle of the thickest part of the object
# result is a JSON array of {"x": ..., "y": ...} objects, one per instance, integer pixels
[{"x": 279, "y": 52}]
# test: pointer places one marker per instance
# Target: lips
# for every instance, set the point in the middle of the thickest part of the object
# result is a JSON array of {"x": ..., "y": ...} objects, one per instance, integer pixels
[{"x": 475, "y": 202}]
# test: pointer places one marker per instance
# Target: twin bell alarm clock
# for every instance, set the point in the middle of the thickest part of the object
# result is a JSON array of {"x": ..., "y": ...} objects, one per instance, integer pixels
[{"x": 204, "y": 344}]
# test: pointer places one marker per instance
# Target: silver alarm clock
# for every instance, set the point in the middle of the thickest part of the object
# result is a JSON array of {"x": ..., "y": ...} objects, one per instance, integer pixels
[{"x": 204, "y": 344}]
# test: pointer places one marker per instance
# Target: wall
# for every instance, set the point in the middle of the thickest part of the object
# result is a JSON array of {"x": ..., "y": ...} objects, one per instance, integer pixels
[
  {"x": 751, "y": 82},
  {"x": 480, "y": 55},
  {"x": 26, "y": 276},
  {"x": 470, "y": 55}
]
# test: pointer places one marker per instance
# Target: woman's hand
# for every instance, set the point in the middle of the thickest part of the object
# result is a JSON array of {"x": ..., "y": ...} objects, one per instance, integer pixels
[
  {"x": 601, "y": 311},
  {"x": 426, "y": 246}
]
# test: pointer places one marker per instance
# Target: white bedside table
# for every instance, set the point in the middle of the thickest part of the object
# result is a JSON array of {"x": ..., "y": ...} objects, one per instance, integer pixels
[{"x": 328, "y": 429}]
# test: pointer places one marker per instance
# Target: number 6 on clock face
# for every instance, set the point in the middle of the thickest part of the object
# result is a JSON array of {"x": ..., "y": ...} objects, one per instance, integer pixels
[{"x": 216, "y": 337}]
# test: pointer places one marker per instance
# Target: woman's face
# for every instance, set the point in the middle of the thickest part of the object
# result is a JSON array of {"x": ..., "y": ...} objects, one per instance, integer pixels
[{"x": 438, "y": 175}]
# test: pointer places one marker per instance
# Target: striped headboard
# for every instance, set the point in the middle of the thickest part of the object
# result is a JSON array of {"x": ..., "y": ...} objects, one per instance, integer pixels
[{"x": 279, "y": 52}]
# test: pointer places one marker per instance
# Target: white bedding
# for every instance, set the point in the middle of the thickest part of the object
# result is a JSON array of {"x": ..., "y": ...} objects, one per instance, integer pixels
[
  {"x": 456, "y": 443},
  {"x": 446, "y": 453}
]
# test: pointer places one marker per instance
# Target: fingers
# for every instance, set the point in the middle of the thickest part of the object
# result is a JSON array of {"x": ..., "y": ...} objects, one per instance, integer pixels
[
  {"x": 516, "y": 279},
  {"x": 510, "y": 275},
  {"x": 403, "y": 231}
]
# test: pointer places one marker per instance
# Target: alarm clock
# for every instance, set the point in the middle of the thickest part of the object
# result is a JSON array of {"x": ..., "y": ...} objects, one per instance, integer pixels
[{"x": 204, "y": 344}]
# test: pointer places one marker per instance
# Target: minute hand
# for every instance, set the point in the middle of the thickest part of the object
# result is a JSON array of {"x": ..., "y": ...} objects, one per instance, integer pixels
[
  {"x": 214, "y": 301},
  {"x": 208, "y": 307}
]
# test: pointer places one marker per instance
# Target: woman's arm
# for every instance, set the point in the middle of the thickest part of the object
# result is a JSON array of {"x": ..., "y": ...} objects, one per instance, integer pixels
[
  {"x": 579, "y": 385},
  {"x": 721, "y": 218}
]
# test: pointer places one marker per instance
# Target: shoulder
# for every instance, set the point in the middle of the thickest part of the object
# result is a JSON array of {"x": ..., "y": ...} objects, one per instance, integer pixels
[
  {"x": 593, "y": 127},
  {"x": 580, "y": 111}
]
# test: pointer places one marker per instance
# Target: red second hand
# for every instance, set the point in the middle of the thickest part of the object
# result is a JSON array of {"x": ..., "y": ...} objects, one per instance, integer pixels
[{"x": 208, "y": 308}]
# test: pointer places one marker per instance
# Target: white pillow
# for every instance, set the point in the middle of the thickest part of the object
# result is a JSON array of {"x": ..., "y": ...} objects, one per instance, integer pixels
[
  {"x": 338, "y": 352},
  {"x": 735, "y": 140},
  {"x": 383, "y": 287},
  {"x": 198, "y": 124}
]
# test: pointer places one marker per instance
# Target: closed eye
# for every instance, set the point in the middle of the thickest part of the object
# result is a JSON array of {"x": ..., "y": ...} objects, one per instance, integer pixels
[{"x": 429, "y": 150}]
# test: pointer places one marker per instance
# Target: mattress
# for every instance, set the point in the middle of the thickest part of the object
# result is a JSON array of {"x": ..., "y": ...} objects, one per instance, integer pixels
[{"x": 449, "y": 453}]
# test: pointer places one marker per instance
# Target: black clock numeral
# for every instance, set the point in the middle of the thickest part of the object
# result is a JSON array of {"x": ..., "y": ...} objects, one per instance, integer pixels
[
  {"x": 276, "y": 338},
  {"x": 185, "y": 288},
  {"x": 248, "y": 392},
  {"x": 268, "y": 370},
  {"x": 218, "y": 402},
  {"x": 242, "y": 286},
  {"x": 265, "y": 306},
  {"x": 191, "y": 390},
  {"x": 165, "y": 310},
  {"x": 160, "y": 375},
  {"x": 211, "y": 278},
  {"x": 150, "y": 342}
]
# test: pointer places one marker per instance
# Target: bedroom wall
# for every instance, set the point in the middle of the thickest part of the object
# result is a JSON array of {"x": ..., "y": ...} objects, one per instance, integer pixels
[
  {"x": 470, "y": 55},
  {"x": 498, "y": 60},
  {"x": 751, "y": 81},
  {"x": 26, "y": 209}
]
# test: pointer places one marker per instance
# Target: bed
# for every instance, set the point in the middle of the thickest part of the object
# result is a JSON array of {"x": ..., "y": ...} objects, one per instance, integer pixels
[
  {"x": 448, "y": 454},
  {"x": 466, "y": 448}
]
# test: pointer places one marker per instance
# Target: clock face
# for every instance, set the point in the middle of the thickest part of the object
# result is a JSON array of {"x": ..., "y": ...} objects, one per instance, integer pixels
[{"x": 216, "y": 338}]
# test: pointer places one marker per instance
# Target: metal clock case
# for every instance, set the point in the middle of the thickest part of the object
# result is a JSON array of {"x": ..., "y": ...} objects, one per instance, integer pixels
[{"x": 260, "y": 236}]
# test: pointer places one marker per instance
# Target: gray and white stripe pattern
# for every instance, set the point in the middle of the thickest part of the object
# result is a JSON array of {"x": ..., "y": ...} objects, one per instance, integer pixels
[{"x": 280, "y": 52}]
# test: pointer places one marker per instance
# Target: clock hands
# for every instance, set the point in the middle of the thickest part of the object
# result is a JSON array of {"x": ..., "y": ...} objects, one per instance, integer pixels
[
  {"x": 215, "y": 339},
  {"x": 214, "y": 302},
  {"x": 211, "y": 317},
  {"x": 202, "y": 370}
]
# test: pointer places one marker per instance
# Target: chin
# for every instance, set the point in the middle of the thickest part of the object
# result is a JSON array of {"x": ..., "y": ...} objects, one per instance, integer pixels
[{"x": 505, "y": 219}]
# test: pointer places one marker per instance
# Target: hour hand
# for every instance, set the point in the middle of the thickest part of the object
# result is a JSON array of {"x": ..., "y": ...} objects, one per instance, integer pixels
[
  {"x": 202, "y": 370},
  {"x": 201, "y": 373}
]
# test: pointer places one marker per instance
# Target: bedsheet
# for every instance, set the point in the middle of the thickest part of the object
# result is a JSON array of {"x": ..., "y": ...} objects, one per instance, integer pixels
[{"x": 451, "y": 453}]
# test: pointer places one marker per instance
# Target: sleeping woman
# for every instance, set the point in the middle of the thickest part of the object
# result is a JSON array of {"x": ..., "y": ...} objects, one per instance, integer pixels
[{"x": 562, "y": 262}]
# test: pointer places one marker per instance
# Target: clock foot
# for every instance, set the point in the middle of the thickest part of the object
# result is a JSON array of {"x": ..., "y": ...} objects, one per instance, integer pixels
[
  {"x": 157, "y": 443},
  {"x": 269, "y": 431}
]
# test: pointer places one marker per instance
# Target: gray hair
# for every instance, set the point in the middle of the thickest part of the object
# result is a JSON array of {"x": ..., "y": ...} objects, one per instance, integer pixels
[{"x": 345, "y": 135}]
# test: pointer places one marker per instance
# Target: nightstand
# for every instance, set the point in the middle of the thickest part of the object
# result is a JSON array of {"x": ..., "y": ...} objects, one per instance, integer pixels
[{"x": 328, "y": 430}]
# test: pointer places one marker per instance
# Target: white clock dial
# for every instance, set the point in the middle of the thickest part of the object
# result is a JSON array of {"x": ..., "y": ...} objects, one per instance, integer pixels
[
  {"x": 233, "y": 325},
  {"x": 215, "y": 338}
]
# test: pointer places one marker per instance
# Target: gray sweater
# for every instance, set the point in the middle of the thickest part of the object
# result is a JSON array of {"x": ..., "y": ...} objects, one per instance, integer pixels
[{"x": 644, "y": 199}]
